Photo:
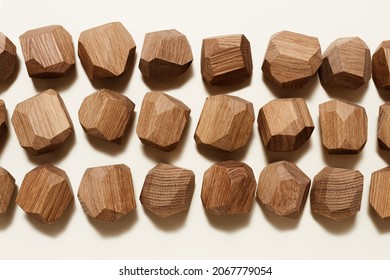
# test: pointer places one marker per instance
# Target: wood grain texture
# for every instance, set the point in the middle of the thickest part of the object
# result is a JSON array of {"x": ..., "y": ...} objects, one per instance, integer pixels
[
  {"x": 384, "y": 126},
  {"x": 7, "y": 57},
  {"x": 225, "y": 123},
  {"x": 106, "y": 51},
  {"x": 7, "y": 187},
  {"x": 336, "y": 193},
  {"x": 3, "y": 119},
  {"x": 346, "y": 63},
  {"x": 381, "y": 65},
  {"x": 343, "y": 127},
  {"x": 42, "y": 122},
  {"x": 167, "y": 190},
  {"x": 291, "y": 59},
  {"x": 162, "y": 120},
  {"x": 285, "y": 124},
  {"x": 165, "y": 55},
  {"x": 45, "y": 193},
  {"x": 106, "y": 114},
  {"x": 228, "y": 188},
  {"x": 48, "y": 51},
  {"x": 283, "y": 189},
  {"x": 226, "y": 60},
  {"x": 380, "y": 192},
  {"x": 106, "y": 192}
]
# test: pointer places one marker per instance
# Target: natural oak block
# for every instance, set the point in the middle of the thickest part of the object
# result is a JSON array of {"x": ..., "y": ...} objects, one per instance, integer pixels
[
  {"x": 3, "y": 118},
  {"x": 226, "y": 60},
  {"x": 346, "y": 63},
  {"x": 343, "y": 127},
  {"x": 285, "y": 124},
  {"x": 7, "y": 187},
  {"x": 42, "y": 123},
  {"x": 48, "y": 51},
  {"x": 162, "y": 120},
  {"x": 167, "y": 190},
  {"x": 106, "y": 192},
  {"x": 381, "y": 65},
  {"x": 291, "y": 59},
  {"x": 106, "y": 51},
  {"x": 45, "y": 193},
  {"x": 384, "y": 126},
  {"x": 228, "y": 188},
  {"x": 165, "y": 55},
  {"x": 283, "y": 189},
  {"x": 380, "y": 192},
  {"x": 336, "y": 193},
  {"x": 107, "y": 115},
  {"x": 7, "y": 57},
  {"x": 225, "y": 123}
]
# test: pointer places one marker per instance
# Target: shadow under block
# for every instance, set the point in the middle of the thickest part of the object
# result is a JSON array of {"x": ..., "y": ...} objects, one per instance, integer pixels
[{"x": 7, "y": 57}]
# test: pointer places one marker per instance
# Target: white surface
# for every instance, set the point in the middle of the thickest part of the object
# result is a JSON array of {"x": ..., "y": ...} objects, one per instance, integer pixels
[{"x": 260, "y": 235}]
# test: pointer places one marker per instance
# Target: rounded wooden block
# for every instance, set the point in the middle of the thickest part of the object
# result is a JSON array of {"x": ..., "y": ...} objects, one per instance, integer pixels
[
  {"x": 3, "y": 119},
  {"x": 106, "y": 51},
  {"x": 45, "y": 193},
  {"x": 7, "y": 57},
  {"x": 384, "y": 126},
  {"x": 106, "y": 192},
  {"x": 7, "y": 187},
  {"x": 42, "y": 122},
  {"x": 48, "y": 51},
  {"x": 291, "y": 59},
  {"x": 167, "y": 190},
  {"x": 228, "y": 188},
  {"x": 226, "y": 60},
  {"x": 381, "y": 65},
  {"x": 380, "y": 192}
]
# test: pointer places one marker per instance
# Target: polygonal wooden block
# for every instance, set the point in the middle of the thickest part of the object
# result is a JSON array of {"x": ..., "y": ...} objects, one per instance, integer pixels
[
  {"x": 346, "y": 63},
  {"x": 225, "y": 123},
  {"x": 283, "y": 189},
  {"x": 7, "y": 187},
  {"x": 336, "y": 193},
  {"x": 228, "y": 188},
  {"x": 106, "y": 192},
  {"x": 3, "y": 118},
  {"x": 45, "y": 193},
  {"x": 106, "y": 51},
  {"x": 42, "y": 123},
  {"x": 285, "y": 124},
  {"x": 380, "y": 192},
  {"x": 167, "y": 190},
  {"x": 343, "y": 127},
  {"x": 7, "y": 57},
  {"x": 381, "y": 65},
  {"x": 384, "y": 126},
  {"x": 291, "y": 59},
  {"x": 226, "y": 60},
  {"x": 165, "y": 55},
  {"x": 107, "y": 115},
  {"x": 48, "y": 51}
]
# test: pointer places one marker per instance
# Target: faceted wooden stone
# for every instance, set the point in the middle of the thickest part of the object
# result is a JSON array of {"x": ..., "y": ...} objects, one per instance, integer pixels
[
  {"x": 380, "y": 192},
  {"x": 346, "y": 63},
  {"x": 381, "y": 65},
  {"x": 106, "y": 51},
  {"x": 106, "y": 192},
  {"x": 42, "y": 123},
  {"x": 162, "y": 120},
  {"x": 45, "y": 193},
  {"x": 343, "y": 127},
  {"x": 48, "y": 51},
  {"x": 291, "y": 59},
  {"x": 165, "y": 54},
  {"x": 384, "y": 126},
  {"x": 7, "y": 57},
  {"x": 225, "y": 123},
  {"x": 283, "y": 189},
  {"x": 3, "y": 118},
  {"x": 336, "y": 193},
  {"x": 228, "y": 188},
  {"x": 7, "y": 187},
  {"x": 226, "y": 60},
  {"x": 107, "y": 115},
  {"x": 285, "y": 124},
  {"x": 167, "y": 190}
]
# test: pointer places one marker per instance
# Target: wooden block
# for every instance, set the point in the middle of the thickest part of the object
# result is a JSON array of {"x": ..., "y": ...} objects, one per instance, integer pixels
[
  {"x": 45, "y": 193},
  {"x": 7, "y": 57},
  {"x": 225, "y": 123},
  {"x": 381, "y": 65},
  {"x": 162, "y": 120},
  {"x": 167, "y": 190},
  {"x": 343, "y": 127},
  {"x": 380, "y": 192},
  {"x": 226, "y": 60},
  {"x": 107, "y": 115},
  {"x": 7, "y": 187},
  {"x": 165, "y": 55},
  {"x": 3, "y": 118},
  {"x": 42, "y": 123},
  {"x": 336, "y": 193},
  {"x": 291, "y": 59},
  {"x": 228, "y": 188},
  {"x": 285, "y": 124},
  {"x": 384, "y": 126},
  {"x": 106, "y": 51},
  {"x": 106, "y": 192},
  {"x": 48, "y": 51},
  {"x": 283, "y": 189},
  {"x": 346, "y": 63}
]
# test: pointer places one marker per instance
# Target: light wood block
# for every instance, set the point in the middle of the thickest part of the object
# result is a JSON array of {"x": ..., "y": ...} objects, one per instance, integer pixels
[{"x": 7, "y": 188}]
